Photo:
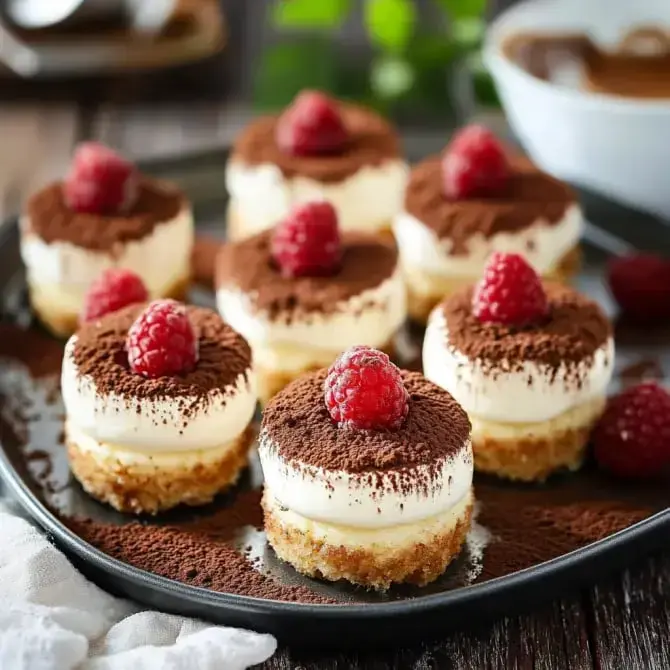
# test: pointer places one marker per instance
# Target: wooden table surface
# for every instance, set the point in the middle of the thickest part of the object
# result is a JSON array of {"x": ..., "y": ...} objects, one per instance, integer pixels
[{"x": 622, "y": 623}]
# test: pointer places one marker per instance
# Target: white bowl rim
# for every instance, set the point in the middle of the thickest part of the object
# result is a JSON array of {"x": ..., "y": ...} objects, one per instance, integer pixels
[{"x": 494, "y": 57}]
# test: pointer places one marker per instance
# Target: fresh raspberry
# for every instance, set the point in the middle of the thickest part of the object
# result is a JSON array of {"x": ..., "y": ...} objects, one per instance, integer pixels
[
  {"x": 100, "y": 181},
  {"x": 162, "y": 341},
  {"x": 307, "y": 242},
  {"x": 510, "y": 292},
  {"x": 641, "y": 286},
  {"x": 311, "y": 126},
  {"x": 364, "y": 390},
  {"x": 632, "y": 438},
  {"x": 474, "y": 164},
  {"x": 112, "y": 290}
]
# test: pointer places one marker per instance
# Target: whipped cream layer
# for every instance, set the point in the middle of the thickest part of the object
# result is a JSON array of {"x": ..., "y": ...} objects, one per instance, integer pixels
[
  {"x": 366, "y": 201},
  {"x": 513, "y": 392},
  {"x": 371, "y": 318},
  {"x": 156, "y": 425},
  {"x": 375, "y": 499},
  {"x": 65, "y": 270},
  {"x": 542, "y": 243}
]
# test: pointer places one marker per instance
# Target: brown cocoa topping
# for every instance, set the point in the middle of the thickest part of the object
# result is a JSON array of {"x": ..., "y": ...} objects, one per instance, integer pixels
[
  {"x": 49, "y": 217},
  {"x": 573, "y": 331},
  {"x": 297, "y": 422},
  {"x": 196, "y": 552},
  {"x": 100, "y": 352},
  {"x": 248, "y": 266},
  {"x": 530, "y": 196},
  {"x": 372, "y": 141}
]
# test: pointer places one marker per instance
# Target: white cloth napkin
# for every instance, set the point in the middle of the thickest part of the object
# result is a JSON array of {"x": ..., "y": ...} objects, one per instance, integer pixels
[{"x": 52, "y": 618}]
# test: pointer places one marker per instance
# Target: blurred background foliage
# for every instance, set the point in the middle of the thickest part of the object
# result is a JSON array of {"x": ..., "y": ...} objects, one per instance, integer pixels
[{"x": 416, "y": 60}]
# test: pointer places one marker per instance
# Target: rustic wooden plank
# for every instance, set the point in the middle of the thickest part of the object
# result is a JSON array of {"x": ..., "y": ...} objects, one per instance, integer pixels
[
  {"x": 630, "y": 618},
  {"x": 554, "y": 638}
]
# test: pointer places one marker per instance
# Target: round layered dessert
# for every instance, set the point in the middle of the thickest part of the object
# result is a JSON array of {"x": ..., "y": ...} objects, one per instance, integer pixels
[
  {"x": 445, "y": 238},
  {"x": 533, "y": 389},
  {"x": 317, "y": 149},
  {"x": 372, "y": 490},
  {"x": 298, "y": 319},
  {"x": 146, "y": 429},
  {"x": 74, "y": 230}
]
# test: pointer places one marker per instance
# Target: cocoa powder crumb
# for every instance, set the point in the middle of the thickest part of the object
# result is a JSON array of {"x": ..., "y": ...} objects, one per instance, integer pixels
[
  {"x": 248, "y": 267},
  {"x": 196, "y": 552},
  {"x": 575, "y": 328},
  {"x": 297, "y": 422},
  {"x": 100, "y": 352},
  {"x": 530, "y": 196},
  {"x": 371, "y": 142},
  {"x": 49, "y": 217}
]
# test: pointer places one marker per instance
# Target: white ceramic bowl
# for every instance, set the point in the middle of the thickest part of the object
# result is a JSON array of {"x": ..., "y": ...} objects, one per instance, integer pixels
[{"x": 618, "y": 147}]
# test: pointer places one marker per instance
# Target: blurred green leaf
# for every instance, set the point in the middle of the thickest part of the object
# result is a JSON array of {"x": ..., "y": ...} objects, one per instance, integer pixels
[
  {"x": 467, "y": 33},
  {"x": 484, "y": 88},
  {"x": 464, "y": 9},
  {"x": 310, "y": 13},
  {"x": 390, "y": 23},
  {"x": 391, "y": 77},
  {"x": 285, "y": 69}
]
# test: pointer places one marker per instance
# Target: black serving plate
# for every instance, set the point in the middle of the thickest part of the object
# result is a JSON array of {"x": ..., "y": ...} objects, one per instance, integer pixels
[{"x": 465, "y": 594}]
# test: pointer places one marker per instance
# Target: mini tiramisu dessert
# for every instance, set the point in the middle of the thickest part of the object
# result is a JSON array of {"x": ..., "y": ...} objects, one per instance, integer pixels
[
  {"x": 104, "y": 214},
  {"x": 302, "y": 293},
  {"x": 318, "y": 148},
  {"x": 473, "y": 200},
  {"x": 529, "y": 362},
  {"x": 159, "y": 399},
  {"x": 368, "y": 473}
]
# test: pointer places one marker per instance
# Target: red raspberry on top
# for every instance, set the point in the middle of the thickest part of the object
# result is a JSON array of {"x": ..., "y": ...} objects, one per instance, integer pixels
[
  {"x": 311, "y": 126},
  {"x": 632, "y": 438},
  {"x": 474, "y": 164},
  {"x": 100, "y": 181},
  {"x": 113, "y": 289},
  {"x": 641, "y": 286},
  {"x": 307, "y": 242},
  {"x": 510, "y": 292},
  {"x": 162, "y": 342},
  {"x": 364, "y": 390}
]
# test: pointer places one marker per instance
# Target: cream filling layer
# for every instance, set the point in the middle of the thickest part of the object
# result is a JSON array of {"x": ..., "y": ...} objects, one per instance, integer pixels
[
  {"x": 541, "y": 243},
  {"x": 512, "y": 392},
  {"x": 378, "y": 540},
  {"x": 368, "y": 200},
  {"x": 113, "y": 456},
  {"x": 366, "y": 500},
  {"x": 156, "y": 425},
  {"x": 371, "y": 318},
  {"x": 63, "y": 271}
]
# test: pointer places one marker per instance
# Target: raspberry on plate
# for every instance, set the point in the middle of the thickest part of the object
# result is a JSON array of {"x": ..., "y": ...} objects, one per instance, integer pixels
[
  {"x": 307, "y": 242},
  {"x": 162, "y": 341},
  {"x": 311, "y": 126},
  {"x": 364, "y": 390},
  {"x": 510, "y": 292},
  {"x": 632, "y": 438},
  {"x": 115, "y": 288},
  {"x": 641, "y": 285},
  {"x": 474, "y": 164},
  {"x": 100, "y": 181}
]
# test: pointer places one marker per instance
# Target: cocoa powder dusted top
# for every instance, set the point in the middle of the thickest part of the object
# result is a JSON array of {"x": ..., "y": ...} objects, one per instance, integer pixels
[
  {"x": 248, "y": 266},
  {"x": 100, "y": 352},
  {"x": 297, "y": 422},
  {"x": 49, "y": 217},
  {"x": 530, "y": 196},
  {"x": 573, "y": 331},
  {"x": 372, "y": 141}
]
